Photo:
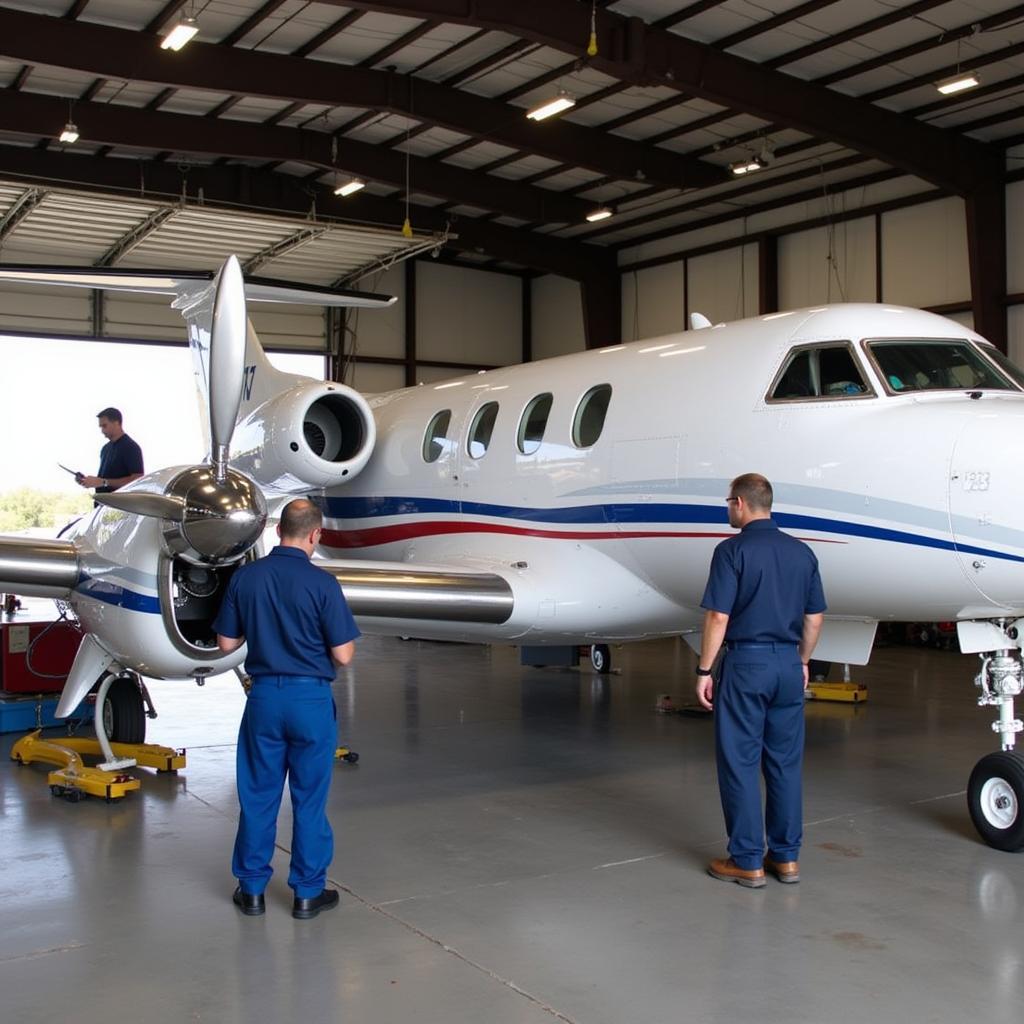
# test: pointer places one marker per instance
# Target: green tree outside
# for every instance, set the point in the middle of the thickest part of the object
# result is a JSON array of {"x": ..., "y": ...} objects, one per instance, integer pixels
[{"x": 27, "y": 508}]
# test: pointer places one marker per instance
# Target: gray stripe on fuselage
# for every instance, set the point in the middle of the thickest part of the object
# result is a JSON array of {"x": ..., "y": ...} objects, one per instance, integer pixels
[
  {"x": 122, "y": 574},
  {"x": 822, "y": 500}
]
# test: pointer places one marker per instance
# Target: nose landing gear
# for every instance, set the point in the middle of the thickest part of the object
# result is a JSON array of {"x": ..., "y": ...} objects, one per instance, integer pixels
[{"x": 995, "y": 792}]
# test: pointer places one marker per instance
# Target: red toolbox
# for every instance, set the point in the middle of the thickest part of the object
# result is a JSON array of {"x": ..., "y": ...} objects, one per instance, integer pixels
[{"x": 52, "y": 655}]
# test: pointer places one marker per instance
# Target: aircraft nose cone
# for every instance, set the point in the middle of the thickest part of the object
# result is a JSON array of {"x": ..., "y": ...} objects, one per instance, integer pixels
[{"x": 222, "y": 519}]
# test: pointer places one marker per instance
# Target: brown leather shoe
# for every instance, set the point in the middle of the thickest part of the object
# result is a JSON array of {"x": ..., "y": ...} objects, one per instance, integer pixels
[
  {"x": 728, "y": 871},
  {"x": 784, "y": 870}
]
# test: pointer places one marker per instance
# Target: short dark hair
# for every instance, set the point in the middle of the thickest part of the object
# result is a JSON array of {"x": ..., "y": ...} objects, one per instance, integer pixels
[
  {"x": 110, "y": 413},
  {"x": 754, "y": 489},
  {"x": 299, "y": 518}
]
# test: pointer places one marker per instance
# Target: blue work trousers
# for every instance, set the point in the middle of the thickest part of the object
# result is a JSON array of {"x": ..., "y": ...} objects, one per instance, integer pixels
[
  {"x": 288, "y": 729},
  {"x": 759, "y": 728}
]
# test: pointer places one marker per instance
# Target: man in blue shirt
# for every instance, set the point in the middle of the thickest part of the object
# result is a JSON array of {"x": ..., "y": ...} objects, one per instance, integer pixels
[
  {"x": 765, "y": 602},
  {"x": 299, "y": 628},
  {"x": 120, "y": 457}
]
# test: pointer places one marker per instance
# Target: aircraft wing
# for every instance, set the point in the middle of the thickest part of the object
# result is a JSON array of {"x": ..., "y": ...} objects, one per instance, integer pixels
[
  {"x": 401, "y": 591},
  {"x": 183, "y": 282}
]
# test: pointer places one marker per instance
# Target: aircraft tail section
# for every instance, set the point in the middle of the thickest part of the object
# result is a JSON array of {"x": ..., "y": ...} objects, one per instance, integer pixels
[{"x": 192, "y": 293}]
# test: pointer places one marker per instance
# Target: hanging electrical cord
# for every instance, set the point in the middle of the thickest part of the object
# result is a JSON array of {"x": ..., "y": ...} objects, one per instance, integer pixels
[
  {"x": 830, "y": 242},
  {"x": 406, "y": 225},
  {"x": 65, "y": 616}
]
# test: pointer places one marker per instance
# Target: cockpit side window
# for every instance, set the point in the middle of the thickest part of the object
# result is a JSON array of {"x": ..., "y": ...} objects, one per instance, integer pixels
[
  {"x": 934, "y": 365},
  {"x": 1012, "y": 370},
  {"x": 828, "y": 371}
]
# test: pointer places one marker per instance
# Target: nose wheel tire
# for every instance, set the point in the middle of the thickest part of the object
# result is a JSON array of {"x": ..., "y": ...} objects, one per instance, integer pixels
[
  {"x": 124, "y": 712},
  {"x": 995, "y": 798}
]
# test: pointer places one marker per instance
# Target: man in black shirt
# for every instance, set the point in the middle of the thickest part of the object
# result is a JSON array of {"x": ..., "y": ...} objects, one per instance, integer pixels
[{"x": 120, "y": 457}]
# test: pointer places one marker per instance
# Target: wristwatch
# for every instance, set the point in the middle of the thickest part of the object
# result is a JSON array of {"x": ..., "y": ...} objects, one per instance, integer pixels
[{"x": 703, "y": 671}]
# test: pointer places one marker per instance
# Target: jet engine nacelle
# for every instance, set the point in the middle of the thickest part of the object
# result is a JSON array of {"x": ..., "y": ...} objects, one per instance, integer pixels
[{"x": 312, "y": 435}]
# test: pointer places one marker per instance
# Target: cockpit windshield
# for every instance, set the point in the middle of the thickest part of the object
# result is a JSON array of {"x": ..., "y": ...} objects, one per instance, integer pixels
[{"x": 933, "y": 365}]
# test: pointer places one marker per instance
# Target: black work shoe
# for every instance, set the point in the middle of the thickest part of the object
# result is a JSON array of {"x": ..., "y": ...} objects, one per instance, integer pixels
[
  {"x": 249, "y": 903},
  {"x": 306, "y": 907}
]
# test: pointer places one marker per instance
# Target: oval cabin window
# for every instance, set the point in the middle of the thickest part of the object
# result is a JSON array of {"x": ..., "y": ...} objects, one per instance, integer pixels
[
  {"x": 533, "y": 424},
  {"x": 434, "y": 438},
  {"x": 588, "y": 422},
  {"x": 481, "y": 430}
]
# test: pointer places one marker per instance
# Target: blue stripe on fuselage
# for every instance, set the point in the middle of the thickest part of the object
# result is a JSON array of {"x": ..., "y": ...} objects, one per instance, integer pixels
[
  {"x": 122, "y": 597},
  {"x": 661, "y": 513}
]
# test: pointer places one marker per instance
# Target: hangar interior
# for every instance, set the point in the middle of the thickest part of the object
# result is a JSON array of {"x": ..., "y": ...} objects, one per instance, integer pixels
[{"x": 518, "y": 843}]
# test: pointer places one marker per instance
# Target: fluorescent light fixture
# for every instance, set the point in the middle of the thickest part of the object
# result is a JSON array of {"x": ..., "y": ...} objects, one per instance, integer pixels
[
  {"x": 349, "y": 187},
  {"x": 754, "y": 163},
  {"x": 563, "y": 101},
  {"x": 185, "y": 29},
  {"x": 70, "y": 133},
  {"x": 958, "y": 83},
  {"x": 601, "y": 213}
]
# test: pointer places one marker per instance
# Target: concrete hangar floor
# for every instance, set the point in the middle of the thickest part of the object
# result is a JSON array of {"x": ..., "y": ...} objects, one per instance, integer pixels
[{"x": 527, "y": 845}]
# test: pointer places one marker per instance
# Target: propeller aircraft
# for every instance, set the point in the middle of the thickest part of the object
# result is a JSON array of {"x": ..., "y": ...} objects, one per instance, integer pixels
[{"x": 576, "y": 500}]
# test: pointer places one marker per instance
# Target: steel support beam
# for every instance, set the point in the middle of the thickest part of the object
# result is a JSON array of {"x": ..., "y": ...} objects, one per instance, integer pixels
[
  {"x": 601, "y": 294},
  {"x": 768, "y": 274},
  {"x": 279, "y": 249},
  {"x": 236, "y": 187},
  {"x": 526, "y": 302},
  {"x": 136, "y": 236},
  {"x": 20, "y": 209},
  {"x": 410, "y": 323},
  {"x": 986, "y": 247},
  {"x": 644, "y": 55},
  {"x": 24, "y": 113},
  {"x": 120, "y": 53}
]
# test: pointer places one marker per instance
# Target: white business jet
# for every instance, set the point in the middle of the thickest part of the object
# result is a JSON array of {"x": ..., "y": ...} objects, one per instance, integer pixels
[{"x": 576, "y": 500}]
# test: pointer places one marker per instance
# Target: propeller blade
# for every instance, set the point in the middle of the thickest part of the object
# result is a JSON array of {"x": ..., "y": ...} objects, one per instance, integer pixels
[
  {"x": 159, "y": 506},
  {"x": 227, "y": 360}
]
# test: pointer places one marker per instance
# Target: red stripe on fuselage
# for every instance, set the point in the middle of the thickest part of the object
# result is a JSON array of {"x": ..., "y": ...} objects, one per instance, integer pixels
[{"x": 433, "y": 528}]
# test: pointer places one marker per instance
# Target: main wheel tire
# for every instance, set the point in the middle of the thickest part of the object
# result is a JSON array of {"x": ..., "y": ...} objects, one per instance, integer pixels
[
  {"x": 995, "y": 798},
  {"x": 601, "y": 658},
  {"x": 124, "y": 713}
]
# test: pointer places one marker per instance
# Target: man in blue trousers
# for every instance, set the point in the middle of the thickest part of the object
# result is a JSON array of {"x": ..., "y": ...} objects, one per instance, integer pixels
[
  {"x": 764, "y": 601},
  {"x": 298, "y": 628}
]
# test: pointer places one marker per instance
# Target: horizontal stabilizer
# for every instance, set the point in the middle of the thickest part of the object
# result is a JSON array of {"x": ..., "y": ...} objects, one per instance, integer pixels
[{"x": 183, "y": 282}]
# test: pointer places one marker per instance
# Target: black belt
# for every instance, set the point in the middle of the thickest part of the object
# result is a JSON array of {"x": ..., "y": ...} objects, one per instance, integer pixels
[{"x": 743, "y": 645}]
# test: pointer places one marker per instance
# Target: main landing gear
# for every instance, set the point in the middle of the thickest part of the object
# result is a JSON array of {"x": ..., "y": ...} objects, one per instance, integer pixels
[
  {"x": 122, "y": 707},
  {"x": 995, "y": 792}
]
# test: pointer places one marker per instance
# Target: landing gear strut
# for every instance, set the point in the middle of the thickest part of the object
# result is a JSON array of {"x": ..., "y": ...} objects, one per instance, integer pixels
[{"x": 995, "y": 792}]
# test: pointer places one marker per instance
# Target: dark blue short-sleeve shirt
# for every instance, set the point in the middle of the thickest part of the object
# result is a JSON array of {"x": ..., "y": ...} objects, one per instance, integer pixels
[
  {"x": 119, "y": 458},
  {"x": 765, "y": 581},
  {"x": 290, "y": 612}
]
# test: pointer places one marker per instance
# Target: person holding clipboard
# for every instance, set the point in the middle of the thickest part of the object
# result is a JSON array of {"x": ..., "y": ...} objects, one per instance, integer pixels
[{"x": 120, "y": 457}]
